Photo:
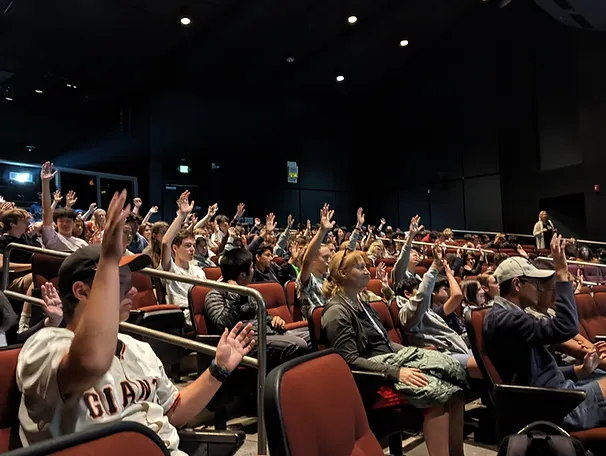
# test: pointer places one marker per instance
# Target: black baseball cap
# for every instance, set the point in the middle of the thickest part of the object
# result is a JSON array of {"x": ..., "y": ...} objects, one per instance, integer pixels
[{"x": 82, "y": 265}]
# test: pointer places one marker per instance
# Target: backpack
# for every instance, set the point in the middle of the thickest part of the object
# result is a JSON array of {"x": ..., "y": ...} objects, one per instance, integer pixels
[{"x": 552, "y": 440}]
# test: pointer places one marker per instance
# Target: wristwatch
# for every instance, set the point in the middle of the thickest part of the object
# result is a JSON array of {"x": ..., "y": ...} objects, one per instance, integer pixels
[{"x": 218, "y": 372}]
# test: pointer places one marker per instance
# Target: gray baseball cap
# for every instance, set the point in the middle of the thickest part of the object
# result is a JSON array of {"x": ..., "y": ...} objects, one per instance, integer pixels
[{"x": 519, "y": 267}]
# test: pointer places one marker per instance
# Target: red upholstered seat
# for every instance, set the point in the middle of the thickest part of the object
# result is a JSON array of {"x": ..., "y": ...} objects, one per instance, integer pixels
[
  {"x": 592, "y": 314},
  {"x": 145, "y": 296},
  {"x": 212, "y": 273},
  {"x": 384, "y": 315},
  {"x": 374, "y": 285},
  {"x": 278, "y": 260},
  {"x": 290, "y": 291},
  {"x": 196, "y": 298},
  {"x": 420, "y": 270},
  {"x": 45, "y": 268},
  {"x": 388, "y": 261},
  {"x": 275, "y": 302},
  {"x": 328, "y": 421},
  {"x": 9, "y": 399}
]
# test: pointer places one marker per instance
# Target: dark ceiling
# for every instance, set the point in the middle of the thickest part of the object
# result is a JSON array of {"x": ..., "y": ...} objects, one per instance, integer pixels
[{"x": 110, "y": 48}]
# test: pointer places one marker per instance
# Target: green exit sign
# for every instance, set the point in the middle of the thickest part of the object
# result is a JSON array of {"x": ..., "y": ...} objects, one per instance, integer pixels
[{"x": 184, "y": 169}]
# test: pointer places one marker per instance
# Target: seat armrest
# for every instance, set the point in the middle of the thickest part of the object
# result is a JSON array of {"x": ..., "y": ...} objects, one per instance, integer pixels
[
  {"x": 158, "y": 308},
  {"x": 599, "y": 338},
  {"x": 295, "y": 325},
  {"x": 518, "y": 406},
  {"x": 378, "y": 376},
  {"x": 224, "y": 443},
  {"x": 209, "y": 339}
]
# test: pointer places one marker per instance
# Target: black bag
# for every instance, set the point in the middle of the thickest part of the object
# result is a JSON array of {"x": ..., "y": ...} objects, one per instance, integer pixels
[{"x": 552, "y": 440}]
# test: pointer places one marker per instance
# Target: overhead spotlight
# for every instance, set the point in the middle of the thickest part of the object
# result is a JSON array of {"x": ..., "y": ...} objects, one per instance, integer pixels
[
  {"x": 340, "y": 78},
  {"x": 8, "y": 98},
  {"x": 404, "y": 43},
  {"x": 185, "y": 20},
  {"x": 38, "y": 91},
  {"x": 74, "y": 87},
  {"x": 352, "y": 19},
  {"x": 290, "y": 59},
  {"x": 68, "y": 85}
]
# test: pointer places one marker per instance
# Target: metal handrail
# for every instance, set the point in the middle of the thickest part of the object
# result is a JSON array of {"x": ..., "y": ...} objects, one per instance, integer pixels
[
  {"x": 493, "y": 233},
  {"x": 251, "y": 292},
  {"x": 429, "y": 244},
  {"x": 585, "y": 241},
  {"x": 582, "y": 263}
]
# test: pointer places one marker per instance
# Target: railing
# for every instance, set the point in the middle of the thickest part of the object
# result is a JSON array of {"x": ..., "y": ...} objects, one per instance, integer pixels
[
  {"x": 429, "y": 244},
  {"x": 260, "y": 363},
  {"x": 492, "y": 233}
]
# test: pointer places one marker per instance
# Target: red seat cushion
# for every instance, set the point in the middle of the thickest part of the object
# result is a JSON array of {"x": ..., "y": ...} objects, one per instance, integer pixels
[
  {"x": 592, "y": 314},
  {"x": 212, "y": 273},
  {"x": 275, "y": 299},
  {"x": 9, "y": 398}
]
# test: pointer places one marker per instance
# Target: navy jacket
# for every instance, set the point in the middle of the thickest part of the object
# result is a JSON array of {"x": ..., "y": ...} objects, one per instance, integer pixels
[{"x": 515, "y": 341}]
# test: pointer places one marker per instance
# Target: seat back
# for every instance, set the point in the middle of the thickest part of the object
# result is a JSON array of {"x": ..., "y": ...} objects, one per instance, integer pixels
[
  {"x": 591, "y": 315},
  {"x": 9, "y": 399},
  {"x": 599, "y": 289},
  {"x": 374, "y": 285},
  {"x": 212, "y": 273},
  {"x": 385, "y": 317},
  {"x": 318, "y": 341},
  {"x": 331, "y": 421},
  {"x": 196, "y": 297},
  {"x": 145, "y": 296},
  {"x": 45, "y": 268},
  {"x": 278, "y": 260},
  {"x": 290, "y": 291},
  {"x": 388, "y": 261},
  {"x": 275, "y": 299},
  {"x": 420, "y": 270},
  {"x": 107, "y": 439},
  {"x": 474, "y": 323},
  {"x": 592, "y": 274}
]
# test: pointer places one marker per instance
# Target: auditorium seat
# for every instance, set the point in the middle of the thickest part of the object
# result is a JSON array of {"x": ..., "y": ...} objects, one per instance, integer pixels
[
  {"x": 386, "y": 319},
  {"x": 45, "y": 268},
  {"x": 10, "y": 398},
  {"x": 375, "y": 286},
  {"x": 420, "y": 270},
  {"x": 517, "y": 406},
  {"x": 275, "y": 303},
  {"x": 212, "y": 273},
  {"x": 593, "y": 274},
  {"x": 592, "y": 315},
  {"x": 329, "y": 422},
  {"x": 388, "y": 261},
  {"x": 599, "y": 289},
  {"x": 145, "y": 291},
  {"x": 278, "y": 260}
]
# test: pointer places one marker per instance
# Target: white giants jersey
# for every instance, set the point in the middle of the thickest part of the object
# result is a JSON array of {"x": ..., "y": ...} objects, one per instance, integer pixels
[{"x": 135, "y": 388}]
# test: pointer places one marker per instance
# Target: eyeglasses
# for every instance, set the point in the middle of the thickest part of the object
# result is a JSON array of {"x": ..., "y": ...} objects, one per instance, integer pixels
[{"x": 535, "y": 282}]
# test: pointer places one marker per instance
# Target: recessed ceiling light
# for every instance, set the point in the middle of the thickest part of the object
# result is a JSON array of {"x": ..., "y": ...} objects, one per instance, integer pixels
[
  {"x": 74, "y": 87},
  {"x": 290, "y": 59},
  {"x": 68, "y": 85},
  {"x": 8, "y": 98},
  {"x": 185, "y": 20},
  {"x": 352, "y": 19},
  {"x": 340, "y": 78},
  {"x": 38, "y": 91},
  {"x": 404, "y": 43}
]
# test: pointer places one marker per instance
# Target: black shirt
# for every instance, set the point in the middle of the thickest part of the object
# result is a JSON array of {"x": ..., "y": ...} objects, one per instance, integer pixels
[{"x": 18, "y": 256}]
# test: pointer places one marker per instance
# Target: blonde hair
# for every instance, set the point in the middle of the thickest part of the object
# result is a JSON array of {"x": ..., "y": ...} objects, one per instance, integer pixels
[
  {"x": 375, "y": 248},
  {"x": 447, "y": 232},
  {"x": 542, "y": 214},
  {"x": 342, "y": 262}
]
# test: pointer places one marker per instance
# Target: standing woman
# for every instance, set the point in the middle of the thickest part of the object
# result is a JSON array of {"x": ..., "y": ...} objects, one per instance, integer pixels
[{"x": 543, "y": 230}]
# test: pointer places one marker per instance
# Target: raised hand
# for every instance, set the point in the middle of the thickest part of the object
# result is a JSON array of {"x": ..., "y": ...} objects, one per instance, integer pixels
[
  {"x": 270, "y": 222},
  {"x": 295, "y": 250},
  {"x": 137, "y": 202},
  {"x": 308, "y": 224},
  {"x": 414, "y": 227},
  {"x": 111, "y": 246},
  {"x": 184, "y": 207},
  {"x": 383, "y": 221},
  {"x": 438, "y": 254},
  {"x": 559, "y": 257},
  {"x": 326, "y": 215},
  {"x": 240, "y": 211},
  {"x": 47, "y": 172},
  {"x": 57, "y": 196},
  {"x": 53, "y": 306},
  {"x": 360, "y": 218},
  {"x": 290, "y": 221},
  {"x": 70, "y": 198},
  {"x": 447, "y": 269},
  {"x": 233, "y": 346},
  {"x": 92, "y": 207},
  {"x": 257, "y": 221},
  {"x": 153, "y": 209},
  {"x": 382, "y": 274},
  {"x": 212, "y": 210}
]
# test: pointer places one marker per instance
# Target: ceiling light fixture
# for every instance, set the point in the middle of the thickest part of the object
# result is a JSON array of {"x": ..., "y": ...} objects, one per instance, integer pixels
[
  {"x": 290, "y": 59},
  {"x": 404, "y": 43},
  {"x": 68, "y": 85},
  {"x": 352, "y": 19},
  {"x": 38, "y": 91},
  {"x": 8, "y": 98},
  {"x": 74, "y": 87},
  {"x": 340, "y": 78},
  {"x": 185, "y": 20}
]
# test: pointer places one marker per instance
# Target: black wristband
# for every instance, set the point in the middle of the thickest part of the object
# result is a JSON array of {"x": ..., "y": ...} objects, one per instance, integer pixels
[{"x": 218, "y": 372}]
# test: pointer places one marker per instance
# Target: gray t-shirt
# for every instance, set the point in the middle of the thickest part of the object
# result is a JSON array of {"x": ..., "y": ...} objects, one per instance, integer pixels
[{"x": 310, "y": 295}]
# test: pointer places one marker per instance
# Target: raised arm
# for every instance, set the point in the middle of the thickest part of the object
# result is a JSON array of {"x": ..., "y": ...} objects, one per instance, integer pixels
[
  {"x": 280, "y": 247},
  {"x": 96, "y": 332},
  {"x": 399, "y": 269},
  {"x": 183, "y": 208},
  {"x": 70, "y": 199},
  {"x": 137, "y": 205},
  {"x": 152, "y": 210},
  {"x": 46, "y": 174},
  {"x": 56, "y": 199},
  {"x": 456, "y": 296},
  {"x": 353, "y": 240},
  {"x": 212, "y": 210},
  {"x": 311, "y": 252},
  {"x": 90, "y": 211}
]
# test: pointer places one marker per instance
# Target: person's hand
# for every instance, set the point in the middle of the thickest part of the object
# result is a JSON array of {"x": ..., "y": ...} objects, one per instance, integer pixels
[
  {"x": 112, "y": 247},
  {"x": 290, "y": 221},
  {"x": 521, "y": 251},
  {"x": 412, "y": 377},
  {"x": 34, "y": 228},
  {"x": 545, "y": 230},
  {"x": 137, "y": 202},
  {"x": 308, "y": 224},
  {"x": 326, "y": 215},
  {"x": 57, "y": 196},
  {"x": 600, "y": 348},
  {"x": 184, "y": 207},
  {"x": 591, "y": 361},
  {"x": 360, "y": 217},
  {"x": 257, "y": 221},
  {"x": 212, "y": 210},
  {"x": 70, "y": 198},
  {"x": 558, "y": 245},
  {"x": 233, "y": 346},
  {"x": 92, "y": 207},
  {"x": 277, "y": 323},
  {"x": 438, "y": 254},
  {"x": 270, "y": 222},
  {"x": 47, "y": 172},
  {"x": 460, "y": 253},
  {"x": 53, "y": 307},
  {"x": 240, "y": 210},
  {"x": 153, "y": 209},
  {"x": 383, "y": 221},
  {"x": 381, "y": 274},
  {"x": 447, "y": 269},
  {"x": 193, "y": 219},
  {"x": 295, "y": 250},
  {"x": 414, "y": 227},
  {"x": 232, "y": 231}
]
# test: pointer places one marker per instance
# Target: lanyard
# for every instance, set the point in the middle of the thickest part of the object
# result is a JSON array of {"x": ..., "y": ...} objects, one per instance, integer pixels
[{"x": 372, "y": 320}]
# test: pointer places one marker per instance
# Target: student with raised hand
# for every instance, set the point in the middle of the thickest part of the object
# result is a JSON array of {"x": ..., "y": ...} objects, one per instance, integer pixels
[
  {"x": 87, "y": 374},
  {"x": 178, "y": 247},
  {"x": 408, "y": 258},
  {"x": 314, "y": 266}
]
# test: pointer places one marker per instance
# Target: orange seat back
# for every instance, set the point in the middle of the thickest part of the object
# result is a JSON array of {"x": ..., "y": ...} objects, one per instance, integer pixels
[{"x": 275, "y": 299}]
